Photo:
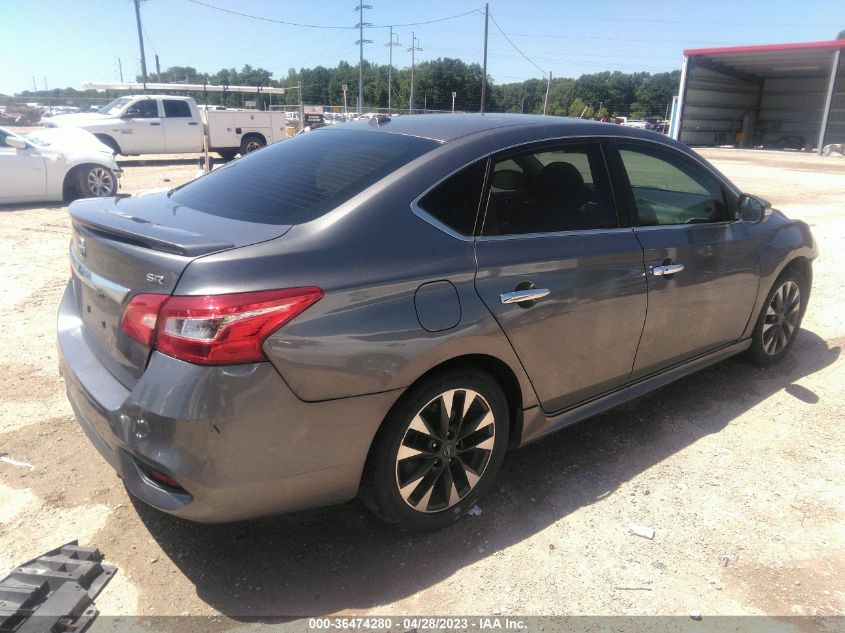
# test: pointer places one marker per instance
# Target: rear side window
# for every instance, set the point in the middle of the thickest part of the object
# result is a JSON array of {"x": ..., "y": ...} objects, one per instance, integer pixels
[
  {"x": 454, "y": 202},
  {"x": 301, "y": 179},
  {"x": 549, "y": 191},
  {"x": 174, "y": 108}
]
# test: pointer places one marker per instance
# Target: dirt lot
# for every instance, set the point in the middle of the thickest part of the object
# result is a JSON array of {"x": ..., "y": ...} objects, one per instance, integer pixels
[{"x": 739, "y": 470}]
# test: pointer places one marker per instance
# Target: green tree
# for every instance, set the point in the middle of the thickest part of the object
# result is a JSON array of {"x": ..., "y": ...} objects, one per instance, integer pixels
[{"x": 577, "y": 107}]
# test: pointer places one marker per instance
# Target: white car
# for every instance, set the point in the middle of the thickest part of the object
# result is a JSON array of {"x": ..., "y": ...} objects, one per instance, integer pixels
[{"x": 55, "y": 165}]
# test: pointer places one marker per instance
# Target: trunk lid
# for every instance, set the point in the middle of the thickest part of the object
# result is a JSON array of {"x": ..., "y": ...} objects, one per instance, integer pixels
[{"x": 129, "y": 246}]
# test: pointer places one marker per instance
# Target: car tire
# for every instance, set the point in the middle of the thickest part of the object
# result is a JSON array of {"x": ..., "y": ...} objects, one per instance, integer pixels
[
  {"x": 95, "y": 181},
  {"x": 437, "y": 476},
  {"x": 252, "y": 143},
  {"x": 227, "y": 154},
  {"x": 779, "y": 320}
]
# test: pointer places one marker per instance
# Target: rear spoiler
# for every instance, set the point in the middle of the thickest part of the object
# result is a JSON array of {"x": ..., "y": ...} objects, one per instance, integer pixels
[{"x": 104, "y": 218}]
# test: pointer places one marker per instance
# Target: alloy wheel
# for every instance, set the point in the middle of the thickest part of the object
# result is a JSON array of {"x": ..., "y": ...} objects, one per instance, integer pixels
[
  {"x": 782, "y": 316},
  {"x": 100, "y": 182},
  {"x": 445, "y": 450}
]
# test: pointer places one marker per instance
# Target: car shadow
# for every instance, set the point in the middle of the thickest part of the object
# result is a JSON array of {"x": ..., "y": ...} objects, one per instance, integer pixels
[
  {"x": 7, "y": 208},
  {"x": 331, "y": 559},
  {"x": 123, "y": 163}
]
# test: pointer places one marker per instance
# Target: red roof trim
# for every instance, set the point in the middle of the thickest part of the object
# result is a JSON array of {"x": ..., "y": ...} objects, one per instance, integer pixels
[{"x": 764, "y": 48}]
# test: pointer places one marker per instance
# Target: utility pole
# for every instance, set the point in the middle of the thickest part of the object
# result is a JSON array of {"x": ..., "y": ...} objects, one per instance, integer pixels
[
  {"x": 454, "y": 94},
  {"x": 361, "y": 41},
  {"x": 344, "y": 86},
  {"x": 390, "y": 44},
  {"x": 45, "y": 84},
  {"x": 158, "y": 71},
  {"x": 301, "y": 109},
  {"x": 141, "y": 42},
  {"x": 484, "y": 69},
  {"x": 34, "y": 86},
  {"x": 413, "y": 49},
  {"x": 546, "y": 100},
  {"x": 120, "y": 69}
]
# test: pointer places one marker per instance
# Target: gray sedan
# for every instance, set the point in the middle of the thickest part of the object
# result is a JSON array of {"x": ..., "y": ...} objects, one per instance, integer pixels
[{"x": 384, "y": 308}]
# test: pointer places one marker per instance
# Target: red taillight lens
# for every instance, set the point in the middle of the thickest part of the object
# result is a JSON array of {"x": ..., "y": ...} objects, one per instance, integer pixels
[
  {"x": 139, "y": 319},
  {"x": 227, "y": 329},
  {"x": 216, "y": 329}
]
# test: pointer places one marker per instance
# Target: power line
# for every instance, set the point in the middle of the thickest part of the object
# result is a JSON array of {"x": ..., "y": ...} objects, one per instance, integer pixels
[
  {"x": 266, "y": 19},
  {"x": 516, "y": 48},
  {"x": 655, "y": 20},
  {"x": 451, "y": 17},
  {"x": 149, "y": 41},
  {"x": 616, "y": 39},
  {"x": 324, "y": 26}
]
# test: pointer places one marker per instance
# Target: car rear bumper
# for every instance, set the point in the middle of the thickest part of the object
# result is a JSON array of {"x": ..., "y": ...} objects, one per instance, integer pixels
[{"x": 237, "y": 440}]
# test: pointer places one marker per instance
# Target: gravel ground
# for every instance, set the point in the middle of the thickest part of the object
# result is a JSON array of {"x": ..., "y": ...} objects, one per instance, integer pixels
[{"x": 739, "y": 471}]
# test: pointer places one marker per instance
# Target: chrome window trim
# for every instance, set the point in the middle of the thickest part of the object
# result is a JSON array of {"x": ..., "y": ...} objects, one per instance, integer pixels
[
  {"x": 575, "y": 233},
  {"x": 686, "y": 225},
  {"x": 633, "y": 139},
  {"x": 598, "y": 138},
  {"x": 425, "y": 216}
]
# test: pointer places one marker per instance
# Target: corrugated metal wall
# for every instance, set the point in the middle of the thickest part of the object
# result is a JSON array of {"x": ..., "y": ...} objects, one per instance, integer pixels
[
  {"x": 714, "y": 107},
  {"x": 836, "y": 118},
  {"x": 785, "y": 111},
  {"x": 791, "y": 110}
]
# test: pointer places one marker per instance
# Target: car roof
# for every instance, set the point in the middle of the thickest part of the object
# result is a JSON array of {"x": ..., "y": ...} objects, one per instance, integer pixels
[{"x": 448, "y": 127}]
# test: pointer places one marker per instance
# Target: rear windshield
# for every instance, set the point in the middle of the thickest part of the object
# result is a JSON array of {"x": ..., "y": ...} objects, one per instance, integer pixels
[{"x": 302, "y": 178}]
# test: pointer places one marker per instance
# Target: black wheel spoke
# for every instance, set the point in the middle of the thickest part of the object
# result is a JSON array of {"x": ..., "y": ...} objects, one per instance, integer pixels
[
  {"x": 420, "y": 494},
  {"x": 781, "y": 318},
  {"x": 446, "y": 405},
  {"x": 414, "y": 468},
  {"x": 445, "y": 450},
  {"x": 482, "y": 438},
  {"x": 430, "y": 419}
]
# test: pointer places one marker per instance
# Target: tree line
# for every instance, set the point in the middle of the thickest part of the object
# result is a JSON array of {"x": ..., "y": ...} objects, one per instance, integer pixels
[{"x": 602, "y": 94}]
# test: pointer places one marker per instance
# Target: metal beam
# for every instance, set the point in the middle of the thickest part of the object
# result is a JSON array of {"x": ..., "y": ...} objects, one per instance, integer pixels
[
  {"x": 734, "y": 73},
  {"x": 186, "y": 87},
  {"x": 834, "y": 69},
  {"x": 682, "y": 95}
]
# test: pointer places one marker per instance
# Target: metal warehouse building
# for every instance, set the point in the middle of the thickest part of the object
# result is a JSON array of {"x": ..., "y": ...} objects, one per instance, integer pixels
[{"x": 779, "y": 95}]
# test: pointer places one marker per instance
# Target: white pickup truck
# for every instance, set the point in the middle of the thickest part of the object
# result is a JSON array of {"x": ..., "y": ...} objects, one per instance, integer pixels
[{"x": 161, "y": 124}]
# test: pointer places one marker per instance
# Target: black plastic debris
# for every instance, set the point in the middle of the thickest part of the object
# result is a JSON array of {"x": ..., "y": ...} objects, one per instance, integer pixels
[{"x": 55, "y": 592}]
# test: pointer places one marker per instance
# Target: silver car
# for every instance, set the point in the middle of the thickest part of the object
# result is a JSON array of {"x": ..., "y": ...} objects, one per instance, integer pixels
[{"x": 384, "y": 308}]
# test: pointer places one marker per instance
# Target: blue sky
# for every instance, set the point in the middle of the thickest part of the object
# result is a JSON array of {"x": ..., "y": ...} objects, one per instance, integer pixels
[{"x": 71, "y": 41}]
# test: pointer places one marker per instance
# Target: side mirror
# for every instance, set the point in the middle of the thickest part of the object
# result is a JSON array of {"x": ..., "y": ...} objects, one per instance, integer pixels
[
  {"x": 129, "y": 114},
  {"x": 753, "y": 210},
  {"x": 17, "y": 143}
]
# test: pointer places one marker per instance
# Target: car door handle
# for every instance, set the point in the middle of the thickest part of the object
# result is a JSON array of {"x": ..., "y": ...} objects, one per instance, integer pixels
[
  {"x": 667, "y": 269},
  {"x": 193, "y": 123},
  {"x": 518, "y": 296},
  {"x": 154, "y": 123}
]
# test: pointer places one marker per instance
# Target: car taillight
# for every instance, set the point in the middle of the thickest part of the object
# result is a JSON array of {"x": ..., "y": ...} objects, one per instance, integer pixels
[
  {"x": 218, "y": 329},
  {"x": 140, "y": 316}
]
